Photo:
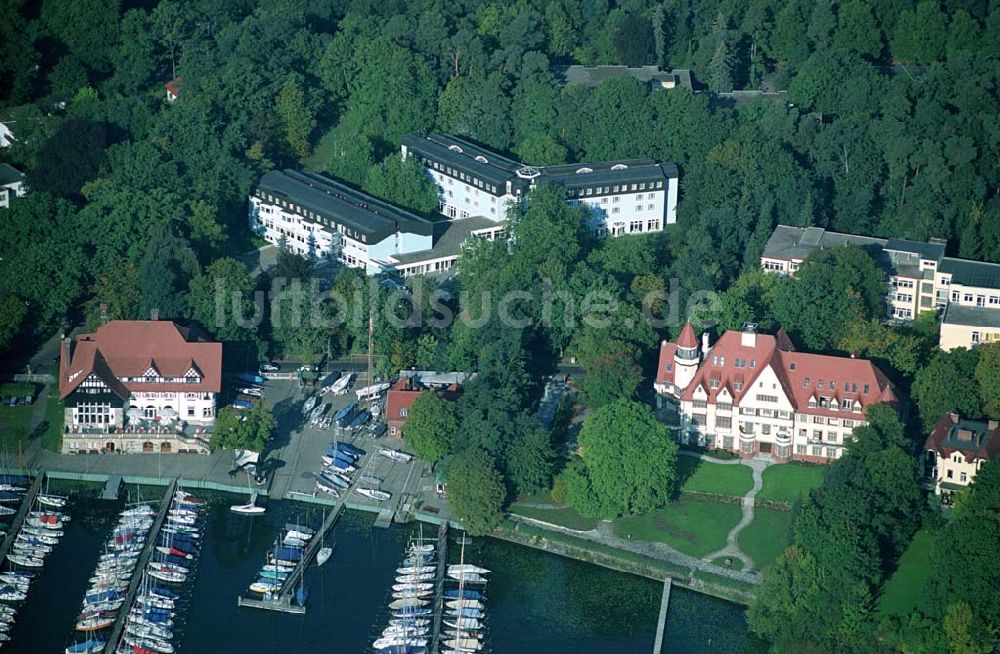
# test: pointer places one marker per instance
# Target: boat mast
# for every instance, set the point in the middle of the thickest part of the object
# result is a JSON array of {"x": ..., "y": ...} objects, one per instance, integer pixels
[{"x": 371, "y": 346}]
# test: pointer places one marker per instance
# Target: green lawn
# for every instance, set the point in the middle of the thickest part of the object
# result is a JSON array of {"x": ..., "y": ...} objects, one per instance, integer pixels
[
  {"x": 788, "y": 482},
  {"x": 54, "y": 416},
  {"x": 14, "y": 425},
  {"x": 695, "y": 528},
  {"x": 564, "y": 516},
  {"x": 704, "y": 477},
  {"x": 903, "y": 590},
  {"x": 766, "y": 537}
]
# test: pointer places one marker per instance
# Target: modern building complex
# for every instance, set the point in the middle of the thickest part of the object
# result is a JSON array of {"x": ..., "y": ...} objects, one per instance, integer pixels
[
  {"x": 921, "y": 279},
  {"x": 624, "y": 197},
  {"x": 956, "y": 450},
  {"x": 11, "y": 184},
  {"x": 753, "y": 393},
  {"x": 319, "y": 217},
  {"x": 138, "y": 385}
]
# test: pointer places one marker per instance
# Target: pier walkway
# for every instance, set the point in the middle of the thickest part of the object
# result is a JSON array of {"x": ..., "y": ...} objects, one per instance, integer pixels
[
  {"x": 283, "y": 601},
  {"x": 661, "y": 624},
  {"x": 22, "y": 513},
  {"x": 439, "y": 586},
  {"x": 112, "y": 487},
  {"x": 140, "y": 569}
]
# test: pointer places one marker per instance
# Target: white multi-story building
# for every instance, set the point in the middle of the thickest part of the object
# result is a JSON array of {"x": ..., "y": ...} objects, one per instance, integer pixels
[
  {"x": 921, "y": 279},
  {"x": 625, "y": 197},
  {"x": 152, "y": 373},
  {"x": 320, "y": 217},
  {"x": 753, "y": 393}
]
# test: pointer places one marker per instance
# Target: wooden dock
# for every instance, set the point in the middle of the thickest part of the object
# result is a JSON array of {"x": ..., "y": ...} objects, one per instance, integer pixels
[
  {"x": 140, "y": 568},
  {"x": 442, "y": 552},
  {"x": 661, "y": 624},
  {"x": 22, "y": 513},
  {"x": 282, "y": 602},
  {"x": 112, "y": 487}
]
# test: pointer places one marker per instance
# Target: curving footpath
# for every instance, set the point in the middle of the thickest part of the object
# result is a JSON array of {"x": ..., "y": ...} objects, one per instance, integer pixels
[{"x": 732, "y": 548}]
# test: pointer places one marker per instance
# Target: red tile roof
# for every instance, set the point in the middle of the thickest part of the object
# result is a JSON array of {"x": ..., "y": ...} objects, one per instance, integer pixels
[
  {"x": 665, "y": 369},
  {"x": 174, "y": 86},
  {"x": 402, "y": 395},
  {"x": 827, "y": 379},
  {"x": 983, "y": 438},
  {"x": 128, "y": 348},
  {"x": 687, "y": 338}
]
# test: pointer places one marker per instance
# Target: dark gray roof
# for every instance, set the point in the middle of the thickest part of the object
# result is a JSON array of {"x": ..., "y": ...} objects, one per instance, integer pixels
[
  {"x": 9, "y": 174},
  {"x": 956, "y": 314},
  {"x": 594, "y": 75},
  {"x": 462, "y": 155},
  {"x": 797, "y": 242},
  {"x": 358, "y": 211},
  {"x": 607, "y": 172},
  {"x": 449, "y": 243},
  {"x": 971, "y": 273},
  {"x": 933, "y": 250}
]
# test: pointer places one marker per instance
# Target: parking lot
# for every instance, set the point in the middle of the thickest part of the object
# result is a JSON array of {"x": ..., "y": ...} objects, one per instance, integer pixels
[{"x": 296, "y": 450}]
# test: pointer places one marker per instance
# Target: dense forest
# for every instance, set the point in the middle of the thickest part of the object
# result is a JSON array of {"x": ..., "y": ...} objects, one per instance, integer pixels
[{"x": 890, "y": 126}]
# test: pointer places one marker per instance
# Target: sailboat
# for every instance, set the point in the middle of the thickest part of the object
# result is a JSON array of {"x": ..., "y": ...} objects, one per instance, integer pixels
[{"x": 250, "y": 508}]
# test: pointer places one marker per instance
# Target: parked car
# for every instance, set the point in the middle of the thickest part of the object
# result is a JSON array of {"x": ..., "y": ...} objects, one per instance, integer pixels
[
  {"x": 25, "y": 401},
  {"x": 377, "y": 429},
  {"x": 10, "y": 400},
  {"x": 267, "y": 366}
]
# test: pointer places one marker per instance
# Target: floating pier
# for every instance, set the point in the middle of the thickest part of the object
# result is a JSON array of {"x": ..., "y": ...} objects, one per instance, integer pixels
[
  {"x": 140, "y": 568},
  {"x": 22, "y": 513},
  {"x": 112, "y": 487},
  {"x": 282, "y": 601},
  {"x": 661, "y": 624},
  {"x": 384, "y": 518},
  {"x": 439, "y": 586}
]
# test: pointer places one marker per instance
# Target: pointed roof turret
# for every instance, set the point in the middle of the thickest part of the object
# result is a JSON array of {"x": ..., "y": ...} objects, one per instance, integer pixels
[{"x": 687, "y": 339}]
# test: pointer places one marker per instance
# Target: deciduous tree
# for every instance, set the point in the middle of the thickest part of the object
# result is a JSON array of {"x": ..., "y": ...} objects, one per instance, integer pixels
[
  {"x": 476, "y": 491},
  {"x": 431, "y": 427}
]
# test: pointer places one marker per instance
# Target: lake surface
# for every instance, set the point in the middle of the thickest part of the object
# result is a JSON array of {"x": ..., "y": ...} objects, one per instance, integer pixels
[{"x": 536, "y": 602}]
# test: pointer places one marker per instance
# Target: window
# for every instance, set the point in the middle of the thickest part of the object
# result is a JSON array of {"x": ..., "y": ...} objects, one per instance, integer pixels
[
  {"x": 831, "y": 453},
  {"x": 950, "y": 474},
  {"x": 800, "y": 449},
  {"x": 975, "y": 337},
  {"x": 714, "y": 383},
  {"x": 738, "y": 386},
  {"x": 831, "y": 437},
  {"x": 724, "y": 422},
  {"x": 817, "y": 451},
  {"x": 765, "y": 429},
  {"x": 963, "y": 477},
  {"x": 723, "y": 406},
  {"x": 767, "y": 398},
  {"x": 818, "y": 420},
  {"x": 190, "y": 412},
  {"x": 865, "y": 391},
  {"x": 699, "y": 404},
  {"x": 805, "y": 383}
]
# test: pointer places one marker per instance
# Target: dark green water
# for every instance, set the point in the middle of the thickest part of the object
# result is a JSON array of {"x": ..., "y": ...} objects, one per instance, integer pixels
[{"x": 537, "y": 602}]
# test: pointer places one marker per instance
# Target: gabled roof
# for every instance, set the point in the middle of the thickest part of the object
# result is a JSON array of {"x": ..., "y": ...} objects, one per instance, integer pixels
[
  {"x": 10, "y": 175},
  {"x": 128, "y": 348},
  {"x": 975, "y": 439},
  {"x": 735, "y": 366}
]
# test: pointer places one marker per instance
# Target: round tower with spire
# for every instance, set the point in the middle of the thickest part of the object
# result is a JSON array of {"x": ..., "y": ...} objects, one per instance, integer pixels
[{"x": 686, "y": 357}]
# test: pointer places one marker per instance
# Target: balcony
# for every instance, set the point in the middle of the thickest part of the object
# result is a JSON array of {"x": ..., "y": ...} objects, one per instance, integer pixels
[{"x": 783, "y": 438}]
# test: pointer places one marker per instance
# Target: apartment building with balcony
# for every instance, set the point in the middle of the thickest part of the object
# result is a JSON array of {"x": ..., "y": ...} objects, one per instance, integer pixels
[
  {"x": 752, "y": 394},
  {"x": 133, "y": 379},
  {"x": 623, "y": 197},
  {"x": 956, "y": 449},
  {"x": 921, "y": 279}
]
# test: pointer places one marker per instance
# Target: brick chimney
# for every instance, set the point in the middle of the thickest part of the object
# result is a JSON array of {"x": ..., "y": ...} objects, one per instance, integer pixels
[
  {"x": 953, "y": 416},
  {"x": 104, "y": 313},
  {"x": 154, "y": 313},
  {"x": 993, "y": 425}
]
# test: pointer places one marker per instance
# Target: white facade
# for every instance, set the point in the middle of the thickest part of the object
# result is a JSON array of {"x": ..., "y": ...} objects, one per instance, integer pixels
[
  {"x": 303, "y": 235},
  {"x": 6, "y": 134},
  {"x": 461, "y": 198}
]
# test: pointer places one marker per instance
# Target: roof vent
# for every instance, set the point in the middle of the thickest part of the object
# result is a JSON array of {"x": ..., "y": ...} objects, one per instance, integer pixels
[
  {"x": 454, "y": 148},
  {"x": 482, "y": 159},
  {"x": 619, "y": 167},
  {"x": 528, "y": 172},
  {"x": 585, "y": 169}
]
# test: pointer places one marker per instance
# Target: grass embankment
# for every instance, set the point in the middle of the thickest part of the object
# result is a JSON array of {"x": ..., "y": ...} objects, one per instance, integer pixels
[
  {"x": 694, "y": 528},
  {"x": 904, "y": 588},
  {"x": 563, "y": 516},
  {"x": 766, "y": 537},
  {"x": 15, "y": 422},
  {"x": 700, "y": 476},
  {"x": 789, "y": 481},
  {"x": 53, "y": 421}
]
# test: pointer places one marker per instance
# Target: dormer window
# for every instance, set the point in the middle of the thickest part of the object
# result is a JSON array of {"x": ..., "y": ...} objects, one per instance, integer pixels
[
  {"x": 753, "y": 363},
  {"x": 791, "y": 366},
  {"x": 812, "y": 402},
  {"x": 819, "y": 383},
  {"x": 865, "y": 391},
  {"x": 738, "y": 386},
  {"x": 805, "y": 383}
]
